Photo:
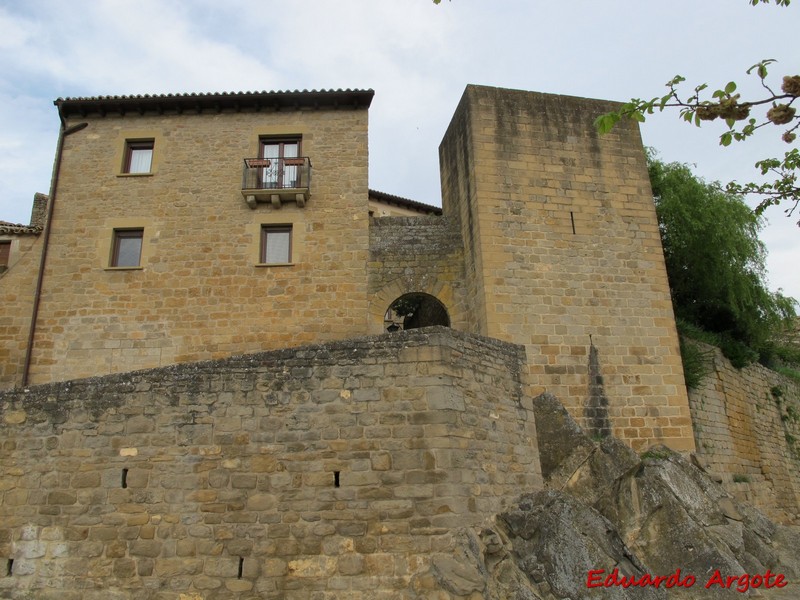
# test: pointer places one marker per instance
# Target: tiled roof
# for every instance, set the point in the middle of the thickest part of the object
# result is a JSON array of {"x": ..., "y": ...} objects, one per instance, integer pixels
[
  {"x": 213, "y": 102},
  {"x": 17, "y": 229},
  {"x": 404, "y": 202}
]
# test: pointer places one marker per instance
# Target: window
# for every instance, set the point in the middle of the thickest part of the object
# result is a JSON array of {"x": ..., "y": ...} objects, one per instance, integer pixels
[
  {"x": 5, "y": 252},
  {"x": 276, "y": 244},
  {"x": 127, "y": 247},
  {"x": 284, "y": 167},
  {"x": 138, "y": 156}
]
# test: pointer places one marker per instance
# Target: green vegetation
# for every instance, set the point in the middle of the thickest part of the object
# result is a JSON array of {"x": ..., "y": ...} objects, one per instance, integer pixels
[
  {"x": 695, "y": 363},
  {"x": 741, "y": 479},
  {"x": 716, "y": 268},
  {"x": 655, "y": 454},
  {"x": 743, "y": 117}
]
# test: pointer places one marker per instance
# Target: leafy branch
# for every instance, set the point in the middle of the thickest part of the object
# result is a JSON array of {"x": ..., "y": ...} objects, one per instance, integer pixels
[{"x": 727, "y": 105}]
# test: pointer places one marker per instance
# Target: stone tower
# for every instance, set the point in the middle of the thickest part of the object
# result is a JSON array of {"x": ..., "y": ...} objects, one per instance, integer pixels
[{"x": 562, "y": 255}]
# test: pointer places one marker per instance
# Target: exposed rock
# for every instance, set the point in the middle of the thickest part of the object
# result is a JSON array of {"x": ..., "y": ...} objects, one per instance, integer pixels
[
  {"x": 558, "y": 538},
  {"x": 650, "y": 521},
  {"x": 458, "y": 577}
]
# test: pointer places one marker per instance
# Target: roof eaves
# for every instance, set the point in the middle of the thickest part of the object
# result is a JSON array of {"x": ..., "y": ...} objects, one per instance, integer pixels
[
  {"x": 405, "y": 202},
  {"x": 15, "y": 229},
  {"x": 214, "y": 102}
]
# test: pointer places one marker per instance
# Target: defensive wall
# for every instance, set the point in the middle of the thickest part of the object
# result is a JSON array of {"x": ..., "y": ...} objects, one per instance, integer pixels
[
  {"x": 562, "y": 255},
  {"x": 548, "y": 240},
  {"x": 328, "y": 471},
  {"x": 747, "y": 430}
]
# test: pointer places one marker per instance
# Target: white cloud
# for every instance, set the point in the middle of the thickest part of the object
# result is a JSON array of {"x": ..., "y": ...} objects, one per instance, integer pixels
[{"x": 418, "y": 57}]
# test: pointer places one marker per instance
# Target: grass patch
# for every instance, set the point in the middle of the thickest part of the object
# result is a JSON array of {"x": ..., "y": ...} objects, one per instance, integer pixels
[
  {"x": 741, "y": 479},
  {"x": 653, "y": 454},
  {"x": 695, "y": 364},
  {"x": 788, "y": 372}
]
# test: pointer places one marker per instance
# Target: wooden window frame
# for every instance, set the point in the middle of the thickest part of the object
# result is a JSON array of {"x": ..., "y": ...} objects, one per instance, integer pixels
[
  {"x": 133, "y": 145},
  {"x": 281, "y": 142},
  {"x": 283, "y": 162},
  {"x": 5, "y": 253},
  {"x": 265, "y": 231},
  {"x": 121, "y": 234}
]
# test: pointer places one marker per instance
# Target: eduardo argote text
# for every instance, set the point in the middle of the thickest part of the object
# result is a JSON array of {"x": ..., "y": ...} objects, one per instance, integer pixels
[{"x": 597, "y": 578}]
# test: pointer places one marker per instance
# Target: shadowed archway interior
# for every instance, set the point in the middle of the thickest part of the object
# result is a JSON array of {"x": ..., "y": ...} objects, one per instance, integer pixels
[{"x": 415, "y": 310}]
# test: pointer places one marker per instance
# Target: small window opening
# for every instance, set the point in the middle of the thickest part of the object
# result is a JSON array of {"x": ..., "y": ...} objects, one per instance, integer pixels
[
  {"x": 10, "y": 567},
  {"x": 124, "y": 478},
  {"x": 276, "y": 244},
  {"x": 138, "y": 156},
  {"x": 126, "y": 251},
  {"x": 5, "y": 252},
  {"x": 411, "y": 311},
  {"x": 336, "y": 479},
  {"x": 241, "y": 567}
]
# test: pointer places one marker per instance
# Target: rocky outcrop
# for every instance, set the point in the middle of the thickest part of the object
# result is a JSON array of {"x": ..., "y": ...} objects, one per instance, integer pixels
[{"x": 612, "y": 524}]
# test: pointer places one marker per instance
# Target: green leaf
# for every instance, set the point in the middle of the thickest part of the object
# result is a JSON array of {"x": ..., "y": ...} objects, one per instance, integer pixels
[
  {"x": 605, "y": 123},
  {"x": 726, "y": 138},
  {"x": 730, "y": 88}
]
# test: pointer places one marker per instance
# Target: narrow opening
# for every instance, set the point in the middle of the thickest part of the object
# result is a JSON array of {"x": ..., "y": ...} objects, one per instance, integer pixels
[
  {"x": 336, "y": 479},
  {"x": 414, "y": 310},
  {"x": 572, "y": 219},
  {"x": 241, "y": 567},
  {"x": 124, "y": 478},
  {"x": 10, "y": 567}
]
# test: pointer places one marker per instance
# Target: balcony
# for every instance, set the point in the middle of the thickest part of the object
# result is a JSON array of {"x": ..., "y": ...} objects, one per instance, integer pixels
[{"x": 276, "y": 180}]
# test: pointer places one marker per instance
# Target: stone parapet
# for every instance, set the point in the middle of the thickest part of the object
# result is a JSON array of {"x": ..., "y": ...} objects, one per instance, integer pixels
[{"x": 325, "y": 471}]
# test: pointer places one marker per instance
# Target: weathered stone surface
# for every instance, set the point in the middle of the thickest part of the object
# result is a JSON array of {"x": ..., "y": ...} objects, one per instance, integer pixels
[
  {"x": 270, "y": 497},
  {"x": 657, "y": 516},
  {"x": 457, "y": 577},
  {"x": 559, "y": 539}
]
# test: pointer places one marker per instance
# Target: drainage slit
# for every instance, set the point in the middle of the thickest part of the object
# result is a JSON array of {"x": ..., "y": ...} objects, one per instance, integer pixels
[
  {"x": 336, "y": 479},
  {"x": 124, "y": 478},
  {"x": 10, "y": 567},
  {"x": 241, "y": 567},
  {"x": 572, "y": 219}
]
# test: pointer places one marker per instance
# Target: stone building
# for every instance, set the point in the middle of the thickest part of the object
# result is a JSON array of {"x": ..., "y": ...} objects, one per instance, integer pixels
[
  {"x": 319, "y": 453},
  {"x": 201, "y": 226}
]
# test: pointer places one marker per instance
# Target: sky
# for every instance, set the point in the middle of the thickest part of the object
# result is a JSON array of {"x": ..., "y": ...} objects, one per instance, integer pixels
[{"x": 418, "y": 58}]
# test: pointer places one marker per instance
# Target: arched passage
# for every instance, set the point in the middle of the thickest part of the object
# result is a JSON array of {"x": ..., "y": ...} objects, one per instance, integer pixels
[{"x": 414, "y": 310}]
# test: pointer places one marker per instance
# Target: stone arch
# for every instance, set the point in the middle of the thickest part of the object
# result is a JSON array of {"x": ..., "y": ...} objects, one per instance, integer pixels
[
  {"x": 414, "y": 310},
  {"x": 382, "y": 299}
]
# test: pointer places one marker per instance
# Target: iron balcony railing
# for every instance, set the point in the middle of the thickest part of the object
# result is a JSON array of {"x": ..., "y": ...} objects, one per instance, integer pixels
[{"x": 277, "y": 173}]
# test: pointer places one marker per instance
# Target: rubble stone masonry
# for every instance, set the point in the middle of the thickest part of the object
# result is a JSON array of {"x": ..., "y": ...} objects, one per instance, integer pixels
[
  {"x": 747, "y": 427},
  {"x": 323, "y": 472}
]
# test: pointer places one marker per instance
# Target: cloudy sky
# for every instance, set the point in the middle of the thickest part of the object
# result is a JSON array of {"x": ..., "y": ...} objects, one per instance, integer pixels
[{"x": 416, "y": 56}]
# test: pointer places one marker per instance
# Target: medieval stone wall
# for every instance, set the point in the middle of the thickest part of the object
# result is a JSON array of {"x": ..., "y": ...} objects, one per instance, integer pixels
[
  {"x": 563, "y": 256},
  {"x": 416, "y": 254},
  {"x": 747, "y": 429},
  {"x": 323, "y": 472}
]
